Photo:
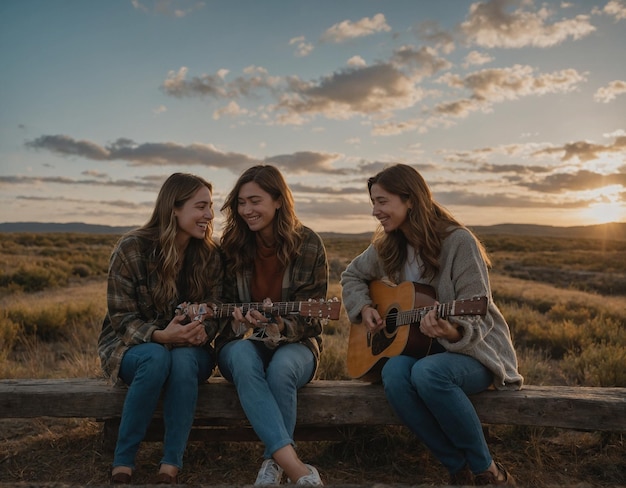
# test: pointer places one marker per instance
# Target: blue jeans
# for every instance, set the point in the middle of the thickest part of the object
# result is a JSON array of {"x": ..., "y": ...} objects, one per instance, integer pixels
[
  {"x": 267, "y": 382},
  {"x": 430, "y": 396},
  {"x": 149, "y": 369}
]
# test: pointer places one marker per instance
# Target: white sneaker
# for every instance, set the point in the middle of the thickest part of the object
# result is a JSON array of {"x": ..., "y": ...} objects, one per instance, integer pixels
[
  {"x": 269, "y": 474},
  {"x": 312, "y": 479}
]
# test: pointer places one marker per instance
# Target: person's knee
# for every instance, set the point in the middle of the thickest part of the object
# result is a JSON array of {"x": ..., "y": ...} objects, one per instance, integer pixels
[
  {"x": 186, "y": 363},
  {"x": 425, "y": 376},
  {"x": 238, "y": 358},
  {"x": 395, "y": 367},
  {"x": 292, "y": 365},
  {"x": 154, "y": 366},
  {"x": 394, "y": 374},
  {"x": 281, "y": 379}
]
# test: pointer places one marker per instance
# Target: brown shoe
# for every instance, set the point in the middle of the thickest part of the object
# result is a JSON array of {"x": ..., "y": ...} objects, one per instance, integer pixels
[
  {"x": 165, "y": 479},
  {"x": 488, "y": 478},
  {"x": 120, "y": 479},
  {"x": 463, "y": 477}
]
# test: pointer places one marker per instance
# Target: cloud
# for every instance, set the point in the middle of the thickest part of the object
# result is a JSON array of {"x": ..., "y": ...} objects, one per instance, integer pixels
[
  {"x": 306, "y": 162},
  {"x": 424, "y": 61},
  {"x": 232, "y": 110},
  {"x": 94, "y": 173},
  {"x": 607, "y": 93},
  {"x": 491, "y": 24},
  {"x": 357, "y": 61},
  {"x": 159, "y": 110},
  {"x": 475, "y": 58},
  {"x": 147, "y": 154},
  {"x": 124, "y": 204},
  {"x": 495, "y": 85},
  {"x": 142, "y": 184},
  {"x": 356, "y": 90},
  {"x": 67, "y": 146},
  {"x": 517, "y": 169},
  {"x": 216, "y": 86},
  {"x": 504, "y": 200},
  {"x": 329, "y": 190},
  {"x": 169, "y": 8},
  {"x": 578, "y": 181},
  {"x": 614, "y": 8},
  {"x": 430, "y": 31},
  {"x": 392, "y": 128},
  {"x": 169, "y": 153},
  {"x": 346, "y": 30},
  {"x": 500, "y": 84},
  {"x": 303, "y": 48},
  {"x": 585, "y": 151}
]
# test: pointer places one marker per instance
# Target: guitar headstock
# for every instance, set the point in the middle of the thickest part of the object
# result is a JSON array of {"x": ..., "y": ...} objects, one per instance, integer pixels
[
  {"x": 470, "y": 306},
  {"x": 321, "y": 309}
]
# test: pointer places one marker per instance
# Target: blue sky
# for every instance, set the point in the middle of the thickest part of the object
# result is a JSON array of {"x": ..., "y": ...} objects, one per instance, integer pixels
[{"x": 513, "y": 111}]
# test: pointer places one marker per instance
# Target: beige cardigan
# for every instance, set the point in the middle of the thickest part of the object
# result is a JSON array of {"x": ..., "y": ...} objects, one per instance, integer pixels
[{"x": 463, "y": 274}]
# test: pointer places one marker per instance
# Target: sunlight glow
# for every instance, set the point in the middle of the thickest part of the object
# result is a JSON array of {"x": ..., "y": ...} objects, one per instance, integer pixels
[
  {"x": 606, "y": 205},
  {"x": 602, "y": 213}
]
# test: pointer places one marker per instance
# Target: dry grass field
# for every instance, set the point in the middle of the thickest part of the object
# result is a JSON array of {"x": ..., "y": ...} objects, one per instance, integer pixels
[{"x": 565, "y": 301}]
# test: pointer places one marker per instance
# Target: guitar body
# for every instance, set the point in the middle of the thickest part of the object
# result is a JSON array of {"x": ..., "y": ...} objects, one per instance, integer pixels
[{"x": 368, "y": 353}]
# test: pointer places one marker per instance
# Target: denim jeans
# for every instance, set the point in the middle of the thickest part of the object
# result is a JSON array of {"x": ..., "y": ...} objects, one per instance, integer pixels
[
  {"x": 149, "y": 369},
  {"x": 267, "y": 382},
  {"x": 430, "y": 396}
]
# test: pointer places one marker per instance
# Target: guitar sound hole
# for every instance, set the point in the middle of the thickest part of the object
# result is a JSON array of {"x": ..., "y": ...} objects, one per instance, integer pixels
[
  {"x": 390, "y": 321},
  {"x": 384, "y": 338}
]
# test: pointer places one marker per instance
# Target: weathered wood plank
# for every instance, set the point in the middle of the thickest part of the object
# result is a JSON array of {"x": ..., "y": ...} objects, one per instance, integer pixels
[{"x": 326, "y": 403}]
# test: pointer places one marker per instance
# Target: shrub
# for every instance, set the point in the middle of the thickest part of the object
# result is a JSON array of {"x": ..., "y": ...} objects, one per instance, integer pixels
[
  {"x": 31, "y": 278},
  {"x": 10, "y": 331},
  {"x": 81, "y": 270},
  {"x": 51, "y": 322},
  {"x": 597, "y": 365}
]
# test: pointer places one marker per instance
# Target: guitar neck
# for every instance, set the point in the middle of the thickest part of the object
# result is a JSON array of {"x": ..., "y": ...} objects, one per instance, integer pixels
[
  {"x": 280, "y": 308},
  {"x": 412, "y": 316},
  {"x": 450, "y": 309},
  {"x": 320, "y": 309}
]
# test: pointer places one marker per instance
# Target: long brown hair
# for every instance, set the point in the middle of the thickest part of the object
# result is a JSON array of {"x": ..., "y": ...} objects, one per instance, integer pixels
[
  {"x": 429, "y": 222},
  {"x": 191, "y": 270},
  {"x": 239, "y": 242}
]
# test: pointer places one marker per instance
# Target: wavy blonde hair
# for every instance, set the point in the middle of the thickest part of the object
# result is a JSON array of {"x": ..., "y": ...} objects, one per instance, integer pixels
[
  {"x": 238, "y": 241},
  {"x": 180, "y": 277},
  {"x": 429, "y": 222}
]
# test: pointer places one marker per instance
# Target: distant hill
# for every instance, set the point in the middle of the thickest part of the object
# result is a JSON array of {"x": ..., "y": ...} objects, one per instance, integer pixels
[
  {"x": 77, "y": 227},
  {"x": 615, "y": 231}
]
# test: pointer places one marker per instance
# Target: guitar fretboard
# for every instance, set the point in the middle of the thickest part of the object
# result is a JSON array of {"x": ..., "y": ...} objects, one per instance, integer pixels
[
  {"x": 280, "y": 308},
  {"x": 472, "y": 306},
  {"x": 412, "y": 316}
]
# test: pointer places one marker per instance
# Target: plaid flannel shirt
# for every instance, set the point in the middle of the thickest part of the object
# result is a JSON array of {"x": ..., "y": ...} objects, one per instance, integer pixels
[
  {"x": 131, "y": 314},
  {"x": 306, "y": 277}
]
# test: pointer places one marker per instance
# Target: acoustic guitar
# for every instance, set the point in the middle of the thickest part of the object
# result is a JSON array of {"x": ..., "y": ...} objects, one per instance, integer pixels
[{"x": 400, "y": 305}]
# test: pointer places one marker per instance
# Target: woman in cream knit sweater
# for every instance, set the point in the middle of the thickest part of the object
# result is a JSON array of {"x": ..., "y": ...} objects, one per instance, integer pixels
[{"x": 419, "y": 241}]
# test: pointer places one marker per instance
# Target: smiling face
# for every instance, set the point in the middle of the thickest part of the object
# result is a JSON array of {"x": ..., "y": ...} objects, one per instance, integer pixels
[
  {"x": 388, "y": 208},
  {"x": 194, "y": 217},
  {"x": 257, "y": 208}
]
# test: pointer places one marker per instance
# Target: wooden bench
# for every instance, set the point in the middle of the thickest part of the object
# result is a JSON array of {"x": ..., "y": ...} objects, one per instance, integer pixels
[{"x": 325, "y": 408}]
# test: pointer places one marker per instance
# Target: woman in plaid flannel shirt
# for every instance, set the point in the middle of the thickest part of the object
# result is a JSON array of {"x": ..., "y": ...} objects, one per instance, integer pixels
[
  {"x": 271, "y": 256},
  {"x": 154, "y": 337}
]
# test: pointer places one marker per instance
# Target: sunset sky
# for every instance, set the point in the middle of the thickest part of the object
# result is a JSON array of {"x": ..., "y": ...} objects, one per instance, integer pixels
[{"x": 513, "y": 111}]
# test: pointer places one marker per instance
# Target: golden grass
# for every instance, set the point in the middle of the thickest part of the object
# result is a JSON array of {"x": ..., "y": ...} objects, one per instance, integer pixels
[{"x": 563, "y": 336}]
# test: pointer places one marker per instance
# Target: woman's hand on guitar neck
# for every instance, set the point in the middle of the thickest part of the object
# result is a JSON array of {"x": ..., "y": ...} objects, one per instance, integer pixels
[
  {"x": 433, "y": 326},
  {"x": 371, "y": 319}
]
